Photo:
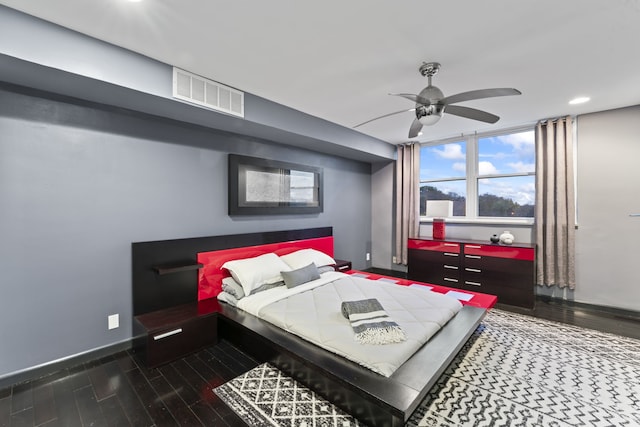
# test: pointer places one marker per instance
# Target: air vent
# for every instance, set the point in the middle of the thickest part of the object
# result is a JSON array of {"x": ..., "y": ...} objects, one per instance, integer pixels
[{"x": 207, "y": 93}]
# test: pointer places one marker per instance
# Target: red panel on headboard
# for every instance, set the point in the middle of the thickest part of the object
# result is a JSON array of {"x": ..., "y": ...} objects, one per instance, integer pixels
[{"x": 211, "y": 274}]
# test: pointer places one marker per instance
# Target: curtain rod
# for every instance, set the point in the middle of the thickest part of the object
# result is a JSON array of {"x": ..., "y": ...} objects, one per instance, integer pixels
[{"x": 555, "y": 119}]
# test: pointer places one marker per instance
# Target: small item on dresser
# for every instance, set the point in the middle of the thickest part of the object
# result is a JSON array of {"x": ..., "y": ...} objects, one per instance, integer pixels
[
  {"x": 438, "y": 228},
  {"x": 506, "y": 238},
  {"x": 494, "y": 238}
]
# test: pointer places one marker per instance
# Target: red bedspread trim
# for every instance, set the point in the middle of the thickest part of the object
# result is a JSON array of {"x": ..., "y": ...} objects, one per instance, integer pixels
[{"x": 475, "y": 299}]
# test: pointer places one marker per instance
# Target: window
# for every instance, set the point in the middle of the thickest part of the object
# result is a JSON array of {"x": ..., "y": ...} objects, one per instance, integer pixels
[
  {"x": 485, "y": 176},
  {"x": 443, "y": 175}
]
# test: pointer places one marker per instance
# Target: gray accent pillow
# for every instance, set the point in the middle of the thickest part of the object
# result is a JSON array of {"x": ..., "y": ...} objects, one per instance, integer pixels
[{"x": 300, "y": 276}]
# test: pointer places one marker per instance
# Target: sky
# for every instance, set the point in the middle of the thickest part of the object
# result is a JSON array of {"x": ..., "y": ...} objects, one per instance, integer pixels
[{"x": 497, "y": 155}]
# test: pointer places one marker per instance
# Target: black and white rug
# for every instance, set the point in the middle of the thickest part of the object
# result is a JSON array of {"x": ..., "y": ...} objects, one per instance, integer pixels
[
  {"x": 264, "y": 396},
  {"x": 515, "y": 371}
]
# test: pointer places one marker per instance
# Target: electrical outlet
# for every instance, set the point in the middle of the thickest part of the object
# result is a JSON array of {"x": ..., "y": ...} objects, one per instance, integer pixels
[
  {"x": 394, "y": 260},
  {"x": 113, "y": 321},
  {"x": 368, "y": 256}
]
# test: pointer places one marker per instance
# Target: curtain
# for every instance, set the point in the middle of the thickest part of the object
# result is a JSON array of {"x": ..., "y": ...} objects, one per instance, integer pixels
[
  {"x": 407, "y": 198},
  {"x": 555, "y": 204}
]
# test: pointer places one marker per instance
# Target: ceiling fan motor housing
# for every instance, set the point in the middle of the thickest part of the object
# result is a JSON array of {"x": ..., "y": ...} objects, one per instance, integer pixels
[{"x": 430, "y": 114}]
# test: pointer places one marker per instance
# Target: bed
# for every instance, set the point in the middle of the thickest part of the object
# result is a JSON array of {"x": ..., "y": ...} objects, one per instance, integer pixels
[{"x": 382, "y": 396}]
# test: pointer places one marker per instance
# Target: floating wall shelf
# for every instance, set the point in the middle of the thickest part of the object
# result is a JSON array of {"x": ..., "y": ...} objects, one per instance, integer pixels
[{"x": 176, "y": 267}]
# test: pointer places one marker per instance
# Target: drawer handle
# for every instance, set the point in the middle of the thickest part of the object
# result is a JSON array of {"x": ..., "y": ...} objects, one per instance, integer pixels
[
  {"x": 448, "y": 279},
  {"x": 473, "y": 256},
  {"x": 452, "y": 267},
  {"x": 449, "y": 254},
  {"x": 167, "y": 334},
  {"x": 450, "y": 244},
  {"x": 473, "y": 246},
  {"x": 473, "y": 270},
  {"x": 343, "y": 267},
  {"x": 472, "y": 283}
]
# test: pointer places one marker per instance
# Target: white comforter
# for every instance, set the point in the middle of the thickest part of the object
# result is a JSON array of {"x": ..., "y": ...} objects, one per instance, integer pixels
[{"x": 312, "y": 311}]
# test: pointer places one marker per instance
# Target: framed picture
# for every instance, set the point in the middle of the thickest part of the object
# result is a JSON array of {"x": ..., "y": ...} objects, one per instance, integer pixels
[{"x": 266, "y": 187}]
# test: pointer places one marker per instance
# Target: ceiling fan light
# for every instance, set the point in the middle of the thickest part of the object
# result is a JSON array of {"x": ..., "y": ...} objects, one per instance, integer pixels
[
  {"x": 429, "y": 114},
  {"x": 430, "y": 120}
]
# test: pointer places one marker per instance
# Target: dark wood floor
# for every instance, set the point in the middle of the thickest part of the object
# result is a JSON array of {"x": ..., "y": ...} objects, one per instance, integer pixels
[{"x": 119, "y": 391}]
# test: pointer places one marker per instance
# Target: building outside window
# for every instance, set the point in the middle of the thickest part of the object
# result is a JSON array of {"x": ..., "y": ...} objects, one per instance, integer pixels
[{"x": 485, "y": 176}]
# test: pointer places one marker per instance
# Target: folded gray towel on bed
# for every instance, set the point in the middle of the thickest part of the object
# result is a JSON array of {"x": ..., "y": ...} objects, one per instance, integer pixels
[{"x": 371, "y": 323}]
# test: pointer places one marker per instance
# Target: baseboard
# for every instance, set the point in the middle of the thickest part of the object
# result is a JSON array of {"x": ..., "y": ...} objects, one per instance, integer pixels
[
  {"x": 614, "y": 311},
  {"x": 52, "y": 367}
]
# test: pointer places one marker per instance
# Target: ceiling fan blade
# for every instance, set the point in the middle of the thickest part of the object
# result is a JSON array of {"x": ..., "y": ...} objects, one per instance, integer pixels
[
  {"x": 386, "y": 115},
  {"x": 479, "y": 94},
  {"x": 471, "y": 113},
  {"x": 415, "y": 128},
  {"x": 415, "y": 98}
]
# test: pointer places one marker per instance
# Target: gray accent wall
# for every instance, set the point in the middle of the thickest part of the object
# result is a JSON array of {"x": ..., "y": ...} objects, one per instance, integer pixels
[
  {"x": 79, "y": 182},
  {"x": 42, "y": 55}
]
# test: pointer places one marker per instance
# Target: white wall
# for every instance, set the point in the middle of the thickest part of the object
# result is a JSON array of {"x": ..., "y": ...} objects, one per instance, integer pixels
[
  {"x": 521, "y": 233},
  {"x": 382, "y": 214},
  {"x": 607, "y": 254}
]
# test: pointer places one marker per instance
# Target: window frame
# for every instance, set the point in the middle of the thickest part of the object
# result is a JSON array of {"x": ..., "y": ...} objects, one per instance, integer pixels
[{"x": 472, "y": 177}]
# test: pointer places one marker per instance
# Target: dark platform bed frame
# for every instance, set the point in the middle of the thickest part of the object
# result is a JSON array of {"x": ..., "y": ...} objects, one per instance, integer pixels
[{"x": 165, "y": 275}]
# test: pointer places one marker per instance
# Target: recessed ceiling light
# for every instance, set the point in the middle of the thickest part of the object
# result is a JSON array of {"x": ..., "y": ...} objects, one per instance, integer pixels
[
  {"x": 579, "y": 100},
  {"x": 135, "y": 1}
]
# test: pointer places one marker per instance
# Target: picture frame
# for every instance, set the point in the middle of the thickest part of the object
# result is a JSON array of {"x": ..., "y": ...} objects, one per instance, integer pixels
[{"x": 260, "y": 186}]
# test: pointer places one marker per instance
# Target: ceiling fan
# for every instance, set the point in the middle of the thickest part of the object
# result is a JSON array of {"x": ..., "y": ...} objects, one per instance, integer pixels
[{"x": 431, "y": 103}]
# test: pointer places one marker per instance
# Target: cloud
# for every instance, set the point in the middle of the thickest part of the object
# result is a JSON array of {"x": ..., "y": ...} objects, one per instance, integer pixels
[
  {"x": 522, "y": 167},
  {"x": 487, "y": 168},
  {"x": 459, "y": 166},
  {"x": 450, "y": 152},
  {"x": 523, "y": 141},
  {"x": 521, "y": 193}
]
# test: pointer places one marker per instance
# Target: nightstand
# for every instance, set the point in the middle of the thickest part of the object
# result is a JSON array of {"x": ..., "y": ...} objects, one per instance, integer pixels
[
  {"x": 174, "y": 332},
  {"x": 342, "y": 265}
]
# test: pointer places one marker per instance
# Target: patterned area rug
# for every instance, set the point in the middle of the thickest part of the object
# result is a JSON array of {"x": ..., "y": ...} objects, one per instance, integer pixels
[
  {"x": 264, "y": 396},
  {"x": 514, "y": 371}
]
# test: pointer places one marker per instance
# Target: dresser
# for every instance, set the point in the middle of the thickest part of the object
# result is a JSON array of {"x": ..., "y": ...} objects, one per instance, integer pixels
[{"x": 507, "y": 271}]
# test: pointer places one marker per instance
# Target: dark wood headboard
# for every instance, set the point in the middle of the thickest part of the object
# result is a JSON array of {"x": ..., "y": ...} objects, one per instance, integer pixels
[{"x": 165, "y": 272}]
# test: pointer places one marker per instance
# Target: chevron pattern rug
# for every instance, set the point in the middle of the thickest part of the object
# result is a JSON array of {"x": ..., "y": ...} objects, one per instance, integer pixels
[{"x": 514, "y": 371}]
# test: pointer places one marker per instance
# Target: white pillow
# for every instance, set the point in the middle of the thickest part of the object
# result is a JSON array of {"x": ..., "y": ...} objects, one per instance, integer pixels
[
  {"x": 254, "y": 272},
  {"x": 304, "y": 257},
  {"x": 230, "y": 286}
]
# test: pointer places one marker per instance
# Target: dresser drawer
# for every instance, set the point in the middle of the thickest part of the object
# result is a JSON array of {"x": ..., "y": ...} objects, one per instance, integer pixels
[
  {"x": 167, "y": 344},
  {"x": 499, "y": 251},
  {"x": 434, "y": 245},
  {"x": 499, "y": 271},
  {"x": 439, "y": 268}
]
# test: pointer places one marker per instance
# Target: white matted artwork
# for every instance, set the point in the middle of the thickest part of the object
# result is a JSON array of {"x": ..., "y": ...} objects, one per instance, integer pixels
[{"x": 261, "y": 186}]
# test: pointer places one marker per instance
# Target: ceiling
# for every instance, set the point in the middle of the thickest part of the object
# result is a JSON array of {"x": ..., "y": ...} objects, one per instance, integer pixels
[{"x": 339, "y": 60}]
